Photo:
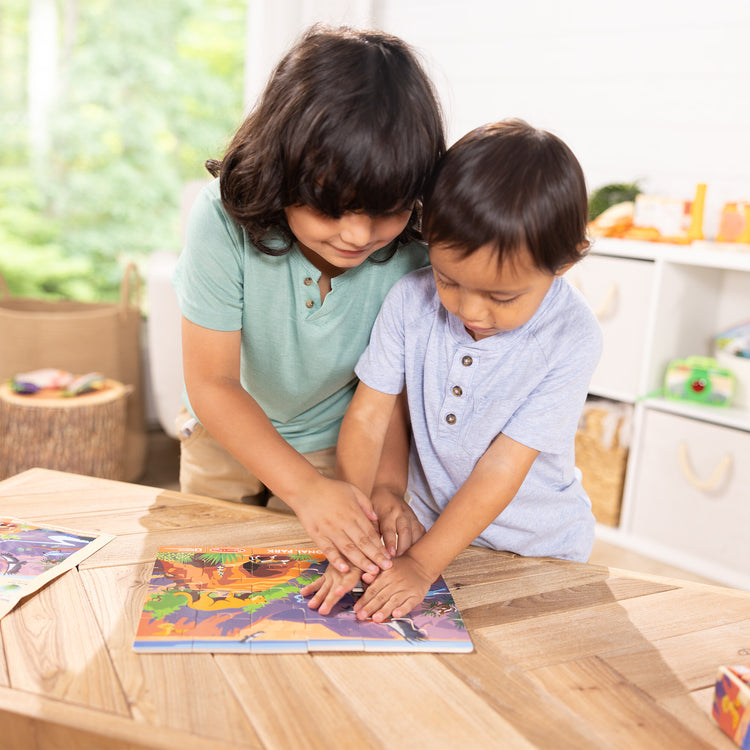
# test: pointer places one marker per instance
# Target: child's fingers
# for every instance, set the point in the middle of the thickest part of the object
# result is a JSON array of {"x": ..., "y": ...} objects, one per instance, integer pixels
[
  {"x": 390, "y": 536},
  {"x": 311, "y": 588},
  {"x": 331, "y": 599},
  {"x": 366, "y": 505},
  {"x": 383, "y": 606},
  {"x": 376, "y": 599},
  {"x": 365, "y": 551},
  {"x": 409, "y": 530},
  {"x": 327, "y": 590},
  {"x": 334, "y": 557},
  {"x": 368, "y": 578},
  {"x": 317, "y": 599}
]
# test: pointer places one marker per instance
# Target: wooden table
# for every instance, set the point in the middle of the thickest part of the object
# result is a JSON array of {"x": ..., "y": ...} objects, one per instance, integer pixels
[{"x": 567, "y": 655}]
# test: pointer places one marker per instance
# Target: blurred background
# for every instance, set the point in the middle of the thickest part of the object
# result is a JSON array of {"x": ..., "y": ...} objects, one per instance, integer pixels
[{"x": 108, "y": 107}]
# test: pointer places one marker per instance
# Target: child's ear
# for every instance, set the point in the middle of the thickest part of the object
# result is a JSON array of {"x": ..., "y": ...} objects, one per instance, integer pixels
[{"x": 565, "y": 268}]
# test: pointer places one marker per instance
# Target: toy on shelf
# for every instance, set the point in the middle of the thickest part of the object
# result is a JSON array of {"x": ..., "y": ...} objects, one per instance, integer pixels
[
  {"x": 700, "y": 380},
  {"x": 654, "y": 218},
  {"x": 734, "y": 223},
  {"x": 732, "y": 351}
]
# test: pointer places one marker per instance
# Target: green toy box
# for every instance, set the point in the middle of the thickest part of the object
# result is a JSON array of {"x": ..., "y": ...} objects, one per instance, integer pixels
[{"x": 700, "y": 380}]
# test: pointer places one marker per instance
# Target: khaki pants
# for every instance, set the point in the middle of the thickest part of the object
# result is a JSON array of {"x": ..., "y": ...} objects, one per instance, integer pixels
[{"x": 208, "y": 469}]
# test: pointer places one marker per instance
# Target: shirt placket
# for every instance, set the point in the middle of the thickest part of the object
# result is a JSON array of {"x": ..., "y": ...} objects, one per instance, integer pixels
[
  {"x": 458, "y": 387},
  {"x": 310, "y": 294}
]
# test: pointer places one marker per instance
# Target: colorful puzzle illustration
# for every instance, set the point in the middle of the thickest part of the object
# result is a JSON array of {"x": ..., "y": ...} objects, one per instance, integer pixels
[
  {"x": 31, "y": 556},
  {"x": 241, "y": 599}
]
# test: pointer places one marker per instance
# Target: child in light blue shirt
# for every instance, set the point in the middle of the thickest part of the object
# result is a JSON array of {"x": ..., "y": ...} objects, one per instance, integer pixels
[{"x": 496, "y": 351}]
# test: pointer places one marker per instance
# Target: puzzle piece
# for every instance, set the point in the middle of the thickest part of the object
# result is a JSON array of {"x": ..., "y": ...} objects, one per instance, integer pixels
[{"x": 278, "y": 618}]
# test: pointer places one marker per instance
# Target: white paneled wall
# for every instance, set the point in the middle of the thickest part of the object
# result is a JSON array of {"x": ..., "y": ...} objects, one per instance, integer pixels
[{"x": 655, "y": 90}]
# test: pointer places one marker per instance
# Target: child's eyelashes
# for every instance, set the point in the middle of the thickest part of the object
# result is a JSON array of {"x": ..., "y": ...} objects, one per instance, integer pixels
[
  {"x": 507, "y": 301},
  {"x": 441, "y": 282}
]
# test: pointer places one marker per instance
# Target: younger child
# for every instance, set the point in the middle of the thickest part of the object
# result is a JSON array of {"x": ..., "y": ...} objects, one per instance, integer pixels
[
  {"x": 496, "y": 351},
  {"x": 288, "y": 257}
]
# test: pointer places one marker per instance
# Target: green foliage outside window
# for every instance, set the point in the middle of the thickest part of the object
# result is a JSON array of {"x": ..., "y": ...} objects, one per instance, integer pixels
[{"x": 147, "y": 91}]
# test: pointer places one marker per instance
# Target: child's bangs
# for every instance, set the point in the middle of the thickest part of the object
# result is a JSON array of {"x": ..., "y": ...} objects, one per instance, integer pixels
[
  {"x": 363, "y": 168},
  {"x": 467, "y": 224},
  {"x": 335, "y": 188}
]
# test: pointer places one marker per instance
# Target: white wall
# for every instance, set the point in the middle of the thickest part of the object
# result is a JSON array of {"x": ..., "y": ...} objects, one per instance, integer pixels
[{"x": 653, "y": 90}]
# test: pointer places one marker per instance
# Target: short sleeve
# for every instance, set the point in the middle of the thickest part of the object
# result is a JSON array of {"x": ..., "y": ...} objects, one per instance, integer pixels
[
  {"x": 547, "y": 418},
  {"x": 209, "y": 275},
  {"x": 381, "y": 366}
]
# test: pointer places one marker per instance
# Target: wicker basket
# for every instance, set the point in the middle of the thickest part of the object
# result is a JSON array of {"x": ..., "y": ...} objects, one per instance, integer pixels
[
  {"x": 602, "y": 444},
  {"x": 81, "y": 434}
]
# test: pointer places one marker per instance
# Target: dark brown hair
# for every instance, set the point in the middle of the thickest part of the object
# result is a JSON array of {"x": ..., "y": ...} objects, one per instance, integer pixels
[
  {"x": 348, "y": 121},
  {"x": 510, "y": 186}
]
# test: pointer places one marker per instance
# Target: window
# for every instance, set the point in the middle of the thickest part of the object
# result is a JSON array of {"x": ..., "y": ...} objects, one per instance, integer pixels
[{"x": 106, "y": 110}]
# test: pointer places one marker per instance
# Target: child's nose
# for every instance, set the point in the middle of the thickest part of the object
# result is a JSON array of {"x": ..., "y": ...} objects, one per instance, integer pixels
[
  {"x": 356, "y": 229},
  {"x": 471, "y": 308}
]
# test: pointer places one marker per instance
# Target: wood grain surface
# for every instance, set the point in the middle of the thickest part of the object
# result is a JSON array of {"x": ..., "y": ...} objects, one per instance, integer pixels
[{"x": 567, "y": 655}]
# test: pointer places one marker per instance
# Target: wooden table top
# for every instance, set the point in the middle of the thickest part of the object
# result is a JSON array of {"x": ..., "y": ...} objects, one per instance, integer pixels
[{"x": 566, "y": 655}]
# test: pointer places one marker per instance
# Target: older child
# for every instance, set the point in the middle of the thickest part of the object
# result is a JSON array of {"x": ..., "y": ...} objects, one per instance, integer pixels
[
  {"x": 288, "y": 257},
  {"x": 496, "y": 351}
]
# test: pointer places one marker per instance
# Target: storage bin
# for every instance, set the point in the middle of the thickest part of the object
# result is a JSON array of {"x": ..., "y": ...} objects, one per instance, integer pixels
[
  {"x": 693, "y": 479},
  {"x": 602, "y": 443},
  {"x": 619, "y": 291}
]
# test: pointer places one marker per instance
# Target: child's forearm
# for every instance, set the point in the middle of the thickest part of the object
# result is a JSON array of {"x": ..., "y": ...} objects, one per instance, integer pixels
[
  {"x": 362, "y": 436},
  {"x": 236, "y": 421},
  {"x": 393, "y": 469},
  {"x": 211, "y": 364},
  {"x": 486, "y": 493},
  {"x": 337, "y": 516}
]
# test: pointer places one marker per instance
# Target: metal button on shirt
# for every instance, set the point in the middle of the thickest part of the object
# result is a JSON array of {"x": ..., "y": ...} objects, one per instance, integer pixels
[
  {"x": 466, "y": 360},
  {"x": 309, "y": 304},
  {"x": 450, "y": 418},
  {"x": 308, "y": 281},
  {"x": 457, "y": 390}
]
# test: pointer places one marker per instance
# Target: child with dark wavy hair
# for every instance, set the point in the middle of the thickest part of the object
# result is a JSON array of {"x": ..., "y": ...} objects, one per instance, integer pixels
[
  {"x": 495, "y": 350},
  {"x": 288, "y": 257}
]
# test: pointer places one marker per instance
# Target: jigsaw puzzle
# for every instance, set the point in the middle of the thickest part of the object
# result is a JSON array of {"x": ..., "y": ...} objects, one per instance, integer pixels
[
  {"x": 31, "y": 556},
  {"x": 241, "y": 599}
]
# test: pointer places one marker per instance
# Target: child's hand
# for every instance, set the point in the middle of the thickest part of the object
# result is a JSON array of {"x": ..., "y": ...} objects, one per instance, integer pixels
[
  {"x": 395, "y": 591},
  {"x": 329, "y": 588},
  {"x": 398, "y": 525},
  {"x": 339, "y": 518}
]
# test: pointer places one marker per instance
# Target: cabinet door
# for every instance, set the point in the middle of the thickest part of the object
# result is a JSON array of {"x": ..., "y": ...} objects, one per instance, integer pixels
[
  {"x": 619, "y": 291},
  {"x": 693, "y": 490}
]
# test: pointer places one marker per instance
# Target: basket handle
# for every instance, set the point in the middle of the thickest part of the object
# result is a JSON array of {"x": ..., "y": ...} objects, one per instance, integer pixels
[
  {"x": 703, "y": 484},
  {"x": 607, "y": 303},
  {"x": 131, "y": 282},
  {"x": 4, "y": 291}
]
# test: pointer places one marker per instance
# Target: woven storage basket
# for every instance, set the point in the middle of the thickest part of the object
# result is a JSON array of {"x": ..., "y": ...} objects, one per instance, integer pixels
[
  {"x": 81, "y": 337},
  {"x": 602, "y": 456},
  {"x": 81, "y": 434}
]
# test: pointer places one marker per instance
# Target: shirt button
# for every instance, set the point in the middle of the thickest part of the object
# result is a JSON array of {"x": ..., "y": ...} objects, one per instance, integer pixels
[
  {"x": 466, "y": 361},
  {"x": 309, "y": 304},
  {"x": 308, "y": 281},
  {"x": 450, "y": 418},
  {"x": 457, "y": 390}
]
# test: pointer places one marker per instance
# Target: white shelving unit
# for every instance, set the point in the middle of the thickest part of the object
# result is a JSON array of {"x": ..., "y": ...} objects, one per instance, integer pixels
[{"x": 686, "y": 499}]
